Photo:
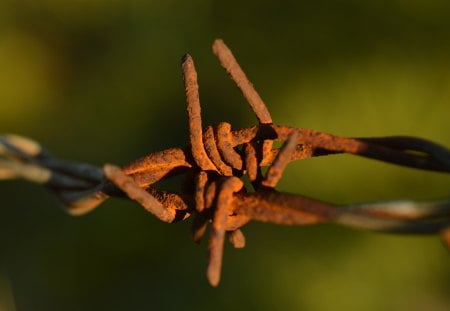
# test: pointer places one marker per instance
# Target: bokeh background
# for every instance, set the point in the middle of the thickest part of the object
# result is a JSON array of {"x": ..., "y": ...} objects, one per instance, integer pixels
[{"x": 99, "y": 81}]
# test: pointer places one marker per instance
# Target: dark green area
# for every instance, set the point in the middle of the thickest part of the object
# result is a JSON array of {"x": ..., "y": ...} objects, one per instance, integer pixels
[{"x": 99, "y": 81}]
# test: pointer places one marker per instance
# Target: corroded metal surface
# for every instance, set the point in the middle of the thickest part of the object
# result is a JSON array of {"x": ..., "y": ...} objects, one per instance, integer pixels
[{"x": 214, "y": 163}]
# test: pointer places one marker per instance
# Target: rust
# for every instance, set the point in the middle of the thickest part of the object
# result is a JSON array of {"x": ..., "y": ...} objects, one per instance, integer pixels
[
  {"x": 216, "y": 203},
  {"x": 236, "y": 73},
  {"x": 251, "y": 161},
  {"x": 266, "y": 149},
  {"x": 236, "y": 220},
  {"x": 199, "y": 227},
  {"x": 136, "y": 193},
  {"x": 325, "y": 144},
  {"x": 275, "y": 171},
  {"x": 230, "y": 64},
  {"x": 217, "y": 237},
  {"x": 167, "y": 160},
  {"x": 210, "y": 194},
  {"x": 193, "y": 108},
  {"x": 302, "y": 151},
  {"x": 237, "y": 238},
  {"x": 202, "y": 179},
  {"x": 213, "y": 152},
  {"x": 225, "y": 147},
  {"x": 216, "y": 159},
  {"x": 284, "y": 209}
]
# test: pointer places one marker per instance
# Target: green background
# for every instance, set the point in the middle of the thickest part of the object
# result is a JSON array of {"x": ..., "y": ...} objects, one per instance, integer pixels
[{"x": 99, "y": 81}]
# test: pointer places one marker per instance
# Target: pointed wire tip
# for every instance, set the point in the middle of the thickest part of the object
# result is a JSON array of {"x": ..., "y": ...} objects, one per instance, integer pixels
[
  {"x": 213, "y": 277},
  {"x": 186, "y": 57},
  {"x": 218, "y": 43}
]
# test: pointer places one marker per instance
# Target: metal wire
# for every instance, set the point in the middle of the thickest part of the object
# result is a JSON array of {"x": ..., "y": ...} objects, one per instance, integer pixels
[{"x": 215, "y": 161}]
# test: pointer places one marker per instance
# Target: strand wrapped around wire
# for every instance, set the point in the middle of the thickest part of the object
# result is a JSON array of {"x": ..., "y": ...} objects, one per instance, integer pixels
[{"x": 216, "y": 159}]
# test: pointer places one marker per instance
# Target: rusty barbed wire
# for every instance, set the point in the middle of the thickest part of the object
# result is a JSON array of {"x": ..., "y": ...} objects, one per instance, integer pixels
[{"x": 216, "y": 159}]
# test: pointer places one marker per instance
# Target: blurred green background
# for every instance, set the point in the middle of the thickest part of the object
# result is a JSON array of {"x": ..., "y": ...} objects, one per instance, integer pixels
[{"x": 99, "y": 81}]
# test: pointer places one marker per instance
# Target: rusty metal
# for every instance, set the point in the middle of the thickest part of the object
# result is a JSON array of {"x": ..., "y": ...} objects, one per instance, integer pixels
[
  {"x": 236, "y": 73},
  {"x": 195, "y": 120},
  {"x": 230, "y": 64},
  {"x": 251, "y": 161},
  {"x": 214, "y": 163},
  {"x": 223, "y": 211},
  {"x": 138, "y": 194},
  {"x": 229, "y": 155},
  {"x": 275, "y": 171},
  {"x": 213, "y": 152},
  {"x": 237, "y": 238}
]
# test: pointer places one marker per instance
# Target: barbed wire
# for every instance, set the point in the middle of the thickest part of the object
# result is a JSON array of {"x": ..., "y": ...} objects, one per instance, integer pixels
[{"x": 216, "y": 160}]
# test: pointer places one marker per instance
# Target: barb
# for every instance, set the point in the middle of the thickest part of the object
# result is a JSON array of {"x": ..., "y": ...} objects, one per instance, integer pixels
[
  {"x": 215, "y": 161},
  {"x": 236, "y": 73}
]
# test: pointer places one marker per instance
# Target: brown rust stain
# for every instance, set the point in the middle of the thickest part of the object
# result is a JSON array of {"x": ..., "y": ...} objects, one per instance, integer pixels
[{"x": 212, "y": 156}]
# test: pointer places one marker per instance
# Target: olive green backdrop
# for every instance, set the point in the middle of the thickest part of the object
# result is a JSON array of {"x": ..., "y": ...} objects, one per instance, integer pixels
[{"x": 99, "y": 81}]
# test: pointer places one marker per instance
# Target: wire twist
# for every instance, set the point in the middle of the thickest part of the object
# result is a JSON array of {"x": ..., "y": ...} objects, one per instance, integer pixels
[{"x": 215, "y": 161}]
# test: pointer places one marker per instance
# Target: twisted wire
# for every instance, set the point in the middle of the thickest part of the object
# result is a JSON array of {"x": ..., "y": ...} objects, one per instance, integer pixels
[{"x": 214, "y": 163}]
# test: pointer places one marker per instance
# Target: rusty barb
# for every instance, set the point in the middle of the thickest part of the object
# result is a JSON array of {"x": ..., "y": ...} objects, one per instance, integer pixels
[{"x": 215, "y": 161}]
